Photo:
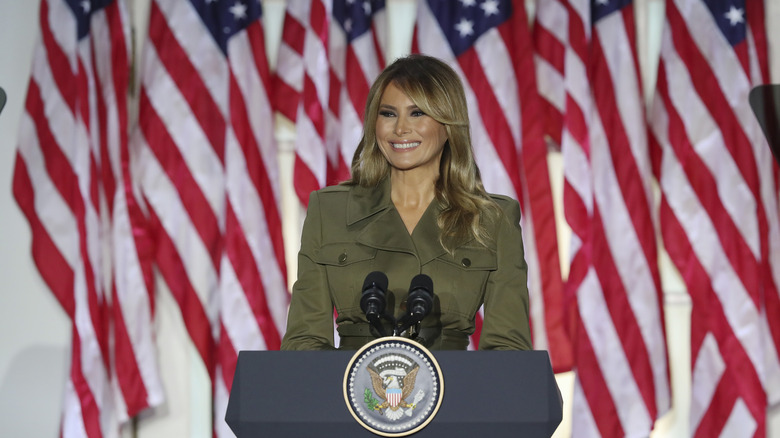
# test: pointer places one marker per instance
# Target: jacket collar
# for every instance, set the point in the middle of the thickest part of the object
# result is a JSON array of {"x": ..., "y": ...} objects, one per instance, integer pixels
[
  {"x": 386, "y": 230},
  {"x": 368, "y": 201}
]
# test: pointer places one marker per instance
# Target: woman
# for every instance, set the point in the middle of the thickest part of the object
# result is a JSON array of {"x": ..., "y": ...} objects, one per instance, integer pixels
[{"x": 415, "y": 204}]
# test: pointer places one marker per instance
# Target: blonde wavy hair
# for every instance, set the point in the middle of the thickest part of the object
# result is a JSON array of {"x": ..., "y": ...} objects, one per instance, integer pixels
[{"x": 437, "y": 90}]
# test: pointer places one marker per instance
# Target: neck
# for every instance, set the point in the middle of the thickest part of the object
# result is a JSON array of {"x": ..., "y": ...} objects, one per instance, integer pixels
[{"x": 411, "y": 191}]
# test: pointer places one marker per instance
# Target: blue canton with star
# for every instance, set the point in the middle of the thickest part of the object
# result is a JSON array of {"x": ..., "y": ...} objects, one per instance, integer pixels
[
  {"x": 225, "y": 18},
  {"x": 354, "y": 16},
  {"x": 601, "y": 8},
  {"x": 730, "y": 17},
  {"x": 83, "y": 10},
  {"x": 464, "y": 21}
]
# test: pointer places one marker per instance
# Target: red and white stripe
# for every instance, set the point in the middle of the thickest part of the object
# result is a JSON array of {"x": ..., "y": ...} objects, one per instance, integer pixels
[
  {"x": 322, "y": 85},
  {"x": 497, "y": 74},
  {"x": 622, "y": 383},
  {"x": 719, "y": 215},
  {"x": 210, "y": 178},
  {"x": 550, "y": 36},
  {"x": 72, "y": 181}
]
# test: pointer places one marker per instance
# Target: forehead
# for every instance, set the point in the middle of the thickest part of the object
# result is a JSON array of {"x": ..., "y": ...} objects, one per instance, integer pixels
[{"x": 394, "y": 96}]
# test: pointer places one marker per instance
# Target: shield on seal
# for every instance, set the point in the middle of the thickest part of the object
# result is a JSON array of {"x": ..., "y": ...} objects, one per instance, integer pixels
[{"x": 393, "y": 396}]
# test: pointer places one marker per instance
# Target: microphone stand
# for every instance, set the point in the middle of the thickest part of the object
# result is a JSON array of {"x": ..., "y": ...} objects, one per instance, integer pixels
[
  {"x": 410, "y": 322},
  {"x": 375, "y": 320}
]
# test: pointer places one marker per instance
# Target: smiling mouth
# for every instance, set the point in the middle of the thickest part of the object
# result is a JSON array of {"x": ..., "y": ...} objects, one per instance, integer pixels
[{"x": 405, "y": 145}]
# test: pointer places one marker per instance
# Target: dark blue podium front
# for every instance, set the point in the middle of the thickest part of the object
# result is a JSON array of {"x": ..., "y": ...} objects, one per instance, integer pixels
[{"x": 297, "y": 394}]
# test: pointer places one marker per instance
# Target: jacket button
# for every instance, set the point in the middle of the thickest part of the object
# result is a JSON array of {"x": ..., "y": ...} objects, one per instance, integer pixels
[
  {"x": 465, "y": 262},
  {"x": 343, "y": 258}
]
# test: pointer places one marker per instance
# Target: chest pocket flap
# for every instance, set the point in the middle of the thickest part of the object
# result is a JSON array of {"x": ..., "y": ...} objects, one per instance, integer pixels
[
  {"x": 343, "y": 254},
  {"x": 472, "y": 258}
]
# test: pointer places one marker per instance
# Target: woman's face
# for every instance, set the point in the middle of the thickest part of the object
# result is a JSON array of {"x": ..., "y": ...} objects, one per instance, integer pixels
[{"x": 408, "y": 138}]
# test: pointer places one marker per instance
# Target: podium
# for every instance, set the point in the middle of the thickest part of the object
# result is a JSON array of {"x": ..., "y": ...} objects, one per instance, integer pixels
[{"x": 294, "y": 394}]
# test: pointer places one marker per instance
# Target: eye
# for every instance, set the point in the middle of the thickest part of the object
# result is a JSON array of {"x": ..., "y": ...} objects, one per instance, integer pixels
[
  {"x": 417, "y": 113},
  {"x": 386, "y": 113}
]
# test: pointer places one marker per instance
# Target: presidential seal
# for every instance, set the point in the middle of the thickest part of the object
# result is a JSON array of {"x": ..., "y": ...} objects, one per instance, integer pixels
[{"x": 393, "y": 386}]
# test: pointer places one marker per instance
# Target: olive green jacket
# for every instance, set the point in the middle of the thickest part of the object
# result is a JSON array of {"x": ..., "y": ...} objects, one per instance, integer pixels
[{"x": 352, "y": 231}]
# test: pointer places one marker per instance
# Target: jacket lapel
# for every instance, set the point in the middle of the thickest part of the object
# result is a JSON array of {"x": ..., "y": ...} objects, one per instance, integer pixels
[
  {"x": 385, "y": 229},
  {"x": 426, "y": 235}
]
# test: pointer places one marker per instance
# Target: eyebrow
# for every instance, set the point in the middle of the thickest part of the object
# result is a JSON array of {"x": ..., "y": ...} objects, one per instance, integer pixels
[{"x": 388, "y": 106}]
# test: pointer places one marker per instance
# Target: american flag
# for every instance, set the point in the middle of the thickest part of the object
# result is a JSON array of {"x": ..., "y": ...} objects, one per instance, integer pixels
[
  {"x": 550, "y": 36},
  {"x": 330, "y": 53},
  {"x": 489, "y": 44},
  {"x": 719, "y": 212},
  {"x": 72, "y": 181},
  {"x": 209, "y": 175},
  {"x": 622, "y": 381}
]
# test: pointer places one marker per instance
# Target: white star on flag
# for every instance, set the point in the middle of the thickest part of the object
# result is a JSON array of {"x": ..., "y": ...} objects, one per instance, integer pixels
[
  {"x": 465, "y": 27},
  {"x": 735, "y": 16},
  {"x": 490, "y": 7},
  {"x": 238, "y": 10}
]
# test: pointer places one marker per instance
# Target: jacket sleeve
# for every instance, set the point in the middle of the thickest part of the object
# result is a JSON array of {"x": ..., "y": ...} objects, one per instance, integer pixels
[
  {"x": 506, "y": 325},
  {"x": 310, "y": 319}
]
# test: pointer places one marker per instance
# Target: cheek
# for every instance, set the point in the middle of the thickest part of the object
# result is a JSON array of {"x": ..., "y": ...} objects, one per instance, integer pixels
[
  {"x": 383, "y": 151},
  {"x": 441, "y": 136},
  {"x": 382, "y": 147},
  {"x": 382, "y": 128}
]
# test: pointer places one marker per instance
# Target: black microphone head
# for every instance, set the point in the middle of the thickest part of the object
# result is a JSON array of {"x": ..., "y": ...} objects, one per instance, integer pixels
[
  {"x": 372, "y": 302},
  {"x": 376, "y": 279},
  {"x": 420, "y": 299},
  {"x": 422, "y": 281}
]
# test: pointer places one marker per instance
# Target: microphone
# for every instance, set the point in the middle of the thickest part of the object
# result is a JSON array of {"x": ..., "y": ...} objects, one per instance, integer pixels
[
  {"x": 373, "y": 301},
  {"x": 419, "y": 302},
  {"x": 420, "y": 299}
]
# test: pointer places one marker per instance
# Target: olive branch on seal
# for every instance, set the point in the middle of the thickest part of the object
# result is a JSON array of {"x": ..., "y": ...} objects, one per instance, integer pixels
[{"x": 371, "y": 402}]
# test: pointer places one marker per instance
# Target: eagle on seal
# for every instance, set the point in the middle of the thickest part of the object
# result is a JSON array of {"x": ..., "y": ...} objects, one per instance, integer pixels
[{"x": 394, "y": 385}]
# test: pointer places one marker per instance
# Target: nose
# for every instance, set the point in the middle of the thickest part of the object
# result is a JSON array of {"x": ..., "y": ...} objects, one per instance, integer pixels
[{"x": 402, "y": 125}]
